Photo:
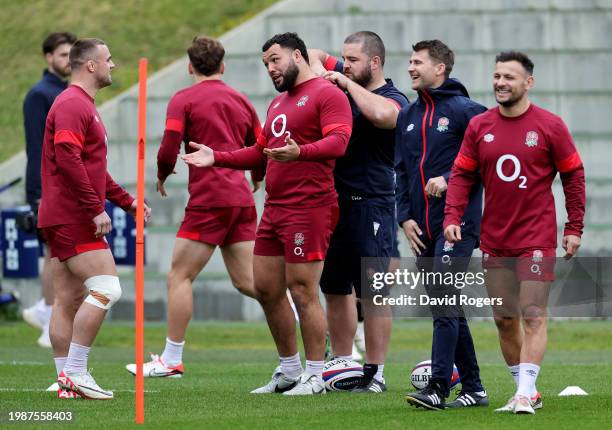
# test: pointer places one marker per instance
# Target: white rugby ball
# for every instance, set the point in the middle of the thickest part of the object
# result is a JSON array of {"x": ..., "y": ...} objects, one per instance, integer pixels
[
  {"x": 422, "y": 373},
  {"x": 342, "y": 375}
]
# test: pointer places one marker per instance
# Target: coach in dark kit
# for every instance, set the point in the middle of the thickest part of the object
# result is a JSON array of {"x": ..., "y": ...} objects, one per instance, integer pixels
[
  {"x": 365, "y": 181},
  {"x": 429, "y": 134}
]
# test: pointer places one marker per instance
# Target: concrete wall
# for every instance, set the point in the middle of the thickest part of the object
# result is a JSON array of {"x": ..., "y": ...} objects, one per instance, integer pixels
[{"x": 570, "y": 42}]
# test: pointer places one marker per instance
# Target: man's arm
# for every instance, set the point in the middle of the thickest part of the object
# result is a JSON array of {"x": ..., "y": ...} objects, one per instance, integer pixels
[
  {"x": 34, "y": 118},
  {"x": 380, "y": 111},
  {"x": 117, "y": 195}
]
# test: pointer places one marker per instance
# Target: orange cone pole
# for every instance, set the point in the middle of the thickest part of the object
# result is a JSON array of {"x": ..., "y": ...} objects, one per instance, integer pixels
[{"x": 142, "y": 126}]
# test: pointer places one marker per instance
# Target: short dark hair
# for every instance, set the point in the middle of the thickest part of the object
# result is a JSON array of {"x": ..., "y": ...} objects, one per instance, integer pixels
[
  {"x": 82, "y": 50},
  {"x": 206, "y": 55},
  {"x": 439, "y": 52},
  {"x": 53, "y": 40},
  {"x": 521, "y": 57},
  {"x": 371, "y": 42},
  {"x": 287, "y": 40}
]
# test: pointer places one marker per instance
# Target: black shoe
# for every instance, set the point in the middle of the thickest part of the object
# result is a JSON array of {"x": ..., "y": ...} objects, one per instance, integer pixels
[
  {"x": 429, "y": 397},
  {"x": 363, "y": 386},
  {"x": 467, "y": 399},
  {"x": 374, "y": 386}
]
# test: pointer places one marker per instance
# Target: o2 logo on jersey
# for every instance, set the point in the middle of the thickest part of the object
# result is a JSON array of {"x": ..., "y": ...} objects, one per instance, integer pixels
[
  {"x": 283, "y": 118},
  {"x": 516, "y": 173}
]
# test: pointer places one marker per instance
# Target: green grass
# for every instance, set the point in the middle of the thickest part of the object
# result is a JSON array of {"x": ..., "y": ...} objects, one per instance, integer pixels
[
  {"x": 225, "y": 360},
  {"x": 160, "y": 30}
]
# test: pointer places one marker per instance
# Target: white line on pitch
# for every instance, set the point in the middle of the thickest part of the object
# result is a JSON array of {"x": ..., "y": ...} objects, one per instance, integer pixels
[{"x": 24, "y": 363}]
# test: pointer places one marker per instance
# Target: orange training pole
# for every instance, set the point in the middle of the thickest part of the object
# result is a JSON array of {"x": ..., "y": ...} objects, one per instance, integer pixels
[{"x": 142, "y": 126}]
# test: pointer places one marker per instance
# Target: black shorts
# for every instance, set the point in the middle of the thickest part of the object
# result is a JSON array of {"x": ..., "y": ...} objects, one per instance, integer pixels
[{"x": 364, "y": 230}]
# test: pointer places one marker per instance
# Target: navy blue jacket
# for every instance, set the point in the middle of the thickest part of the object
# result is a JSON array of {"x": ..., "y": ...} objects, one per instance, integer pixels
[
  {"x": 36, "y": 106},
  {"x": 429, "y": 133}
]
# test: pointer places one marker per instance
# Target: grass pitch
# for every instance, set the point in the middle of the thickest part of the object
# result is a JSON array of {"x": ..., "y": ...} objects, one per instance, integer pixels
[{"x": 224, "y": 361}]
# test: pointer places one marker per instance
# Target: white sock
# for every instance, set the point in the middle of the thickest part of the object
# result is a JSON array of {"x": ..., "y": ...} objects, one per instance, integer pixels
[
  {"x": 514, "y": 371},
  {"x": 345, "y": 357},
  {"x": 379, "y": 373},
  {"x": 173, "y": 352},
  {"x": 291, "y": 366},
  {"x": 60, "y": 362},
  {"x": 315, "y": 368},
  {"x": 76, "y": 362},
  {"x": 527, "y": 379}
]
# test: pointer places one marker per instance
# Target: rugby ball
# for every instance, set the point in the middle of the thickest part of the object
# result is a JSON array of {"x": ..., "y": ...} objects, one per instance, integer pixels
[
  {"x": 422, "y": 373},
  {"x": 342, "y": 375}
]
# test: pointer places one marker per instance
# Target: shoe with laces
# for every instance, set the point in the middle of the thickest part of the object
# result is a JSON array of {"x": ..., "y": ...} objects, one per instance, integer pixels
[
  {"x": 278, "y": 384},
  {"x": 307, "y": 384},
  {"x": 156, "y": 368},
  {"x": 467, "y": 399},
  {"x": 374, "y": 386},
  {"x": 429, "y": 397},
  {"x": 84, "y": 385},
  {"x": 523, "y": 405},
  {"x": 509, "y": 406}
]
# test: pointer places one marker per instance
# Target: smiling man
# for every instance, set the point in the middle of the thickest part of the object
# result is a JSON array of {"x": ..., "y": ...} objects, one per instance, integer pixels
[
  {"x": 307, "y": 127},
  {"x": 517, "y": 149}
]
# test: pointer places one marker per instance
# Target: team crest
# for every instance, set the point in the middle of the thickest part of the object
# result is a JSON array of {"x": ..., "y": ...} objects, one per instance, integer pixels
[
  {"x": 302, "y": 101},
  {"x": 443, "y": 124},
  {"x": 531, "y": 139},
  {"x": 410, "y": 127},
  {"x": 537, "y": 256},
  {"x": 489, "y": 138},
  {"x": 298, "y": 239},
  {"x": 448, "y": 247}
]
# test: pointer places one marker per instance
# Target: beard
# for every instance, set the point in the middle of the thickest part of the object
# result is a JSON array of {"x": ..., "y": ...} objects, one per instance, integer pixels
[
  {"x": 364, "y": 78},
  {"x": 289, "y": 77},
  {"x": 511, "y": 101},
  {"x": 63, "y": 72}
]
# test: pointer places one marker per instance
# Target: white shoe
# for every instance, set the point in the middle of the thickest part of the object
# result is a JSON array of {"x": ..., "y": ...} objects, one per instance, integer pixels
[
  {"x": 306, "y": 385},
  {"x": 44, "y": 340},
  {"x": 31, "y": 316},
  {"x": 523, "y": 405},
  {"x": 53, "y": 387},
  {"x": 356, "y": 354},
  {"x": 84, "y": 385},
  {"x": 279, "y": 383},
  {"x": 156, "y": 368},
  {"x": 508, "y": 407}
]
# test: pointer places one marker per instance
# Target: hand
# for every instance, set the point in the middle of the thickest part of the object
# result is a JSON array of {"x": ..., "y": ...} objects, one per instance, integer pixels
[
  {"x": 160, "y": 188},
  {"x": 203, "y": 157},
  {"x": 256, "y": 186},
  {"x": 571, "y": 243},
  {"x": 337, "y": 78},
  {"x": 412, "y": 232},
  {"x": 452, "y": 233},
  {"x": 134, "y": 207},
  {"x": 436, "y": 186},
  {"x": 103, "y": 224},
  {"x": 289, "y": 152}
]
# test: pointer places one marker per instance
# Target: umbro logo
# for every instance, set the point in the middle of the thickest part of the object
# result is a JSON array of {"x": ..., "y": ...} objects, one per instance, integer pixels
[{"x": 489, "y": 138}]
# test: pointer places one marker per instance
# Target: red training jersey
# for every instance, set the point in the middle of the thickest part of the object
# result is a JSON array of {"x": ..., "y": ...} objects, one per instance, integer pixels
[
  {"x": 518, "y": 159},
  {"x": 318, "y": 117},
  {"x": 75, "y": 182},
  {"x": 212, "y": 113}
]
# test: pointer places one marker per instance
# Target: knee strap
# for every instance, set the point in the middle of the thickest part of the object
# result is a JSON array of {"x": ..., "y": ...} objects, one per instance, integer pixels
[{"x": 104, "y": 291}]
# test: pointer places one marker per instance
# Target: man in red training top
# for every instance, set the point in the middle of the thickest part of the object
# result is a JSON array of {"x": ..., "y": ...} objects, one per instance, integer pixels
[
  {"x": 517, "y": 149},
  {"x": 75, "y": 185},
  {"x": 309, "y": 123},
  {"x": 221, "y": 211}
]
